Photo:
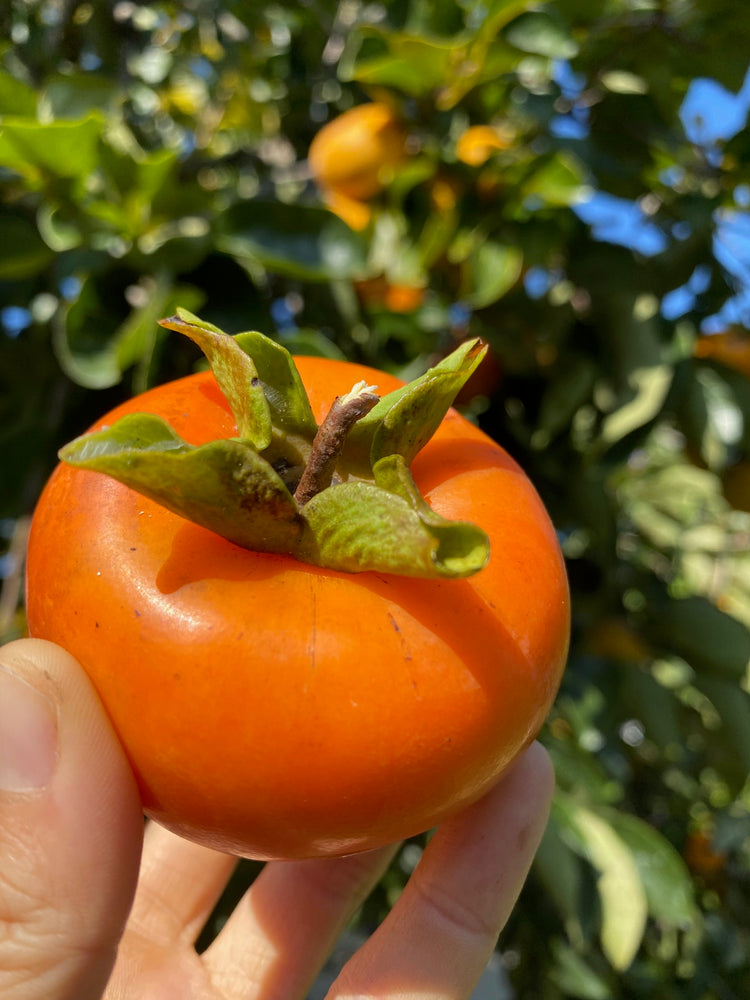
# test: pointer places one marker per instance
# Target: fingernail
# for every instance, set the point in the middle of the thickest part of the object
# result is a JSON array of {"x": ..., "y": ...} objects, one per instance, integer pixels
[{"x": 28, "y": 735}]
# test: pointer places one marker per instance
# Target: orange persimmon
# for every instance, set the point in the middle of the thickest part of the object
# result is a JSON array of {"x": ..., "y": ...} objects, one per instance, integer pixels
[
  {"x": 355, "y": 153},
  {"x": 277, "y": 709}
]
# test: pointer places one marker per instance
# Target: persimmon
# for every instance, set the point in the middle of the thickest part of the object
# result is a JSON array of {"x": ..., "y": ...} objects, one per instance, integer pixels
[
  {"x": 730, "y": 348},
  {"x": 354, "y": 154},
  {"x": 398, "y": 297},
  {"x": 479, "y": 142},
  {"x": 395, "y": 643}
]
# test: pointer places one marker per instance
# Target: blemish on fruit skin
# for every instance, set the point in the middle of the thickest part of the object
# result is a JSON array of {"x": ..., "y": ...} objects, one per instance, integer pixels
[
  {"x": 397, "y": 628},
  {"x": 137, "y": 612}
]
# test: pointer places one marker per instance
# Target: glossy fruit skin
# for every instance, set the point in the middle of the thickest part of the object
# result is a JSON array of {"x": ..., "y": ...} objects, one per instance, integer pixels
[{"x": 272, "y": 709}]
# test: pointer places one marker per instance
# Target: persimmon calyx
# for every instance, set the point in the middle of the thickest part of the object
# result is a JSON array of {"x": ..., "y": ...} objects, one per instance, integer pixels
[{"x": 339, "y": 496}]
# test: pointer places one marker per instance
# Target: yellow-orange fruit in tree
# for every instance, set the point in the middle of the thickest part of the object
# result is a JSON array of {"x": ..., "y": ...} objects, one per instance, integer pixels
[
  {"x": 730, "y": 348},
  {"x": 736, "y": 485},
  {"x": 356, "y": 154},
  {"x": 379, "y": 293},
  {"x": 477, "y": 144},
  {"x": 615, "y": 639},
  {"x": 701, "y": 856}
]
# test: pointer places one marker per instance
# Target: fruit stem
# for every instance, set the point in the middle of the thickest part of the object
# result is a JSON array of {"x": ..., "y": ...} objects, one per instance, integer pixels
[{"x": 330, "y": 439}]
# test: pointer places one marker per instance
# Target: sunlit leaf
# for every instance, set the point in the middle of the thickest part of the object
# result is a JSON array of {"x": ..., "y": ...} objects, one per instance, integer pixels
[
  {"x": 666, "y": 880},
  {"x": 489, "y": 272},
  {"x": 16, "y": 97},
  {"x": 542, "y": 33},
  {"x": 556, "y": 180},
  {"x": 56, "y": 149},
  {"x": 71, "y": 96},
  {"x": 572, "y": 974},
  {"x": 650, "y": 387},
  {"x": 623, "y": 898},
  {"x": 411, "y": 63}
]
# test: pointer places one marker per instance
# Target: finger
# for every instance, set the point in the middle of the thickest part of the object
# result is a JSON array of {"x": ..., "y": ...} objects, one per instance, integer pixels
[
  {"x": 437, "y": 940},
  {"x": 179, "y": 886},
  {"x": 279, "y": 936},
  {"x": 70, "y": 829}
]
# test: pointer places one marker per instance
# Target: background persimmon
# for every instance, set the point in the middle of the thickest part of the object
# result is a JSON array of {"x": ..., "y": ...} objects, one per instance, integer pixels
[{"x": 276, "y": 709}]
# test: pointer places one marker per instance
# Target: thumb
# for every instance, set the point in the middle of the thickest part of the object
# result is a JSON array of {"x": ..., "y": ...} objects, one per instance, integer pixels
[{"x": 70, "y": 829}]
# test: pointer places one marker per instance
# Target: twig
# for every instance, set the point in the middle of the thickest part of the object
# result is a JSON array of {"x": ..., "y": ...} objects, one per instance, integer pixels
[{"x": 329, "y": 441}]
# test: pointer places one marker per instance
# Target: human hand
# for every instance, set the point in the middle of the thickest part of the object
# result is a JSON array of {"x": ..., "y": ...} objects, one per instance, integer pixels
[{"x": 71, "y": 833}]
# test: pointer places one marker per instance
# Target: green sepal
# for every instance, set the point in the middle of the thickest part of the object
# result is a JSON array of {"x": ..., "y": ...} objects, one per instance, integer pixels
[
  {"x": 286, "y": 396},
  {"x": 224, "y": 486},
  {"x": 235, "y": 374},
  {"x": 464, "y": 548},
  {"x": 369, "y": 526},
  {"x": 374, "y": 520},
  {"x": 405, "y": 420}
]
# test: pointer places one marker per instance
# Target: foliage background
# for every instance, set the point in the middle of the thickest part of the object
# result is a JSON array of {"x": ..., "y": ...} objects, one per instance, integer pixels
[{"x": 154, "y": 154}]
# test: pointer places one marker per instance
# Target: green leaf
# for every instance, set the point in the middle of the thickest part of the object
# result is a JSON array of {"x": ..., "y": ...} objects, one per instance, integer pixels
[
  {"x": 713, "y": 417},
  {"x": 572, "y": 974},
  {"x": 665, "y": 877},
  {"x": 76, "y": 95},
  {"x": 58, "y": 149},
  {"x": 650, "y": 387},
  {"x": 490, "y": 271},
  {"x": 225, "y": 486},
  {"x": 622, "y": 895},
  {"x": 96, "y": 359},
  {"x": 16, "y": 97},
  {"x": 556, "y": 181},
  {"x": 656, "y": 707},
  {"x": 311, "y": 343},
  {"x": 57, "y": 231},
  {"x": 571, "y": 388},
  {"x": 408, "y": 62},
  {"x": 235, "y": 373},
  {"x": 733, "y": 706},
  {"x": 22, "y": 251},
  {"x": 712, "y": 642},
  {"x": 559, "y": 869},
  {"x": 542, "y": 33},
  {"x": 297, "y": 240}
]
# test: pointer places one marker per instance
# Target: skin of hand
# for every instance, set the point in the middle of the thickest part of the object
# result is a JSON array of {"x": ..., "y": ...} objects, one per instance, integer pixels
[{"x": 91, "y": 908}]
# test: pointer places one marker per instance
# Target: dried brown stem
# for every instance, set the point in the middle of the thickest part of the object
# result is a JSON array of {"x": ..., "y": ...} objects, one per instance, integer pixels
[{"x": 329, "y": 441}]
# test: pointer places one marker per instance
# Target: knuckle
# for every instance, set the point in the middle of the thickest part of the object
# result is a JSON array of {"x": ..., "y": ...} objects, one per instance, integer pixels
[{"x": 453, "y": 914}]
